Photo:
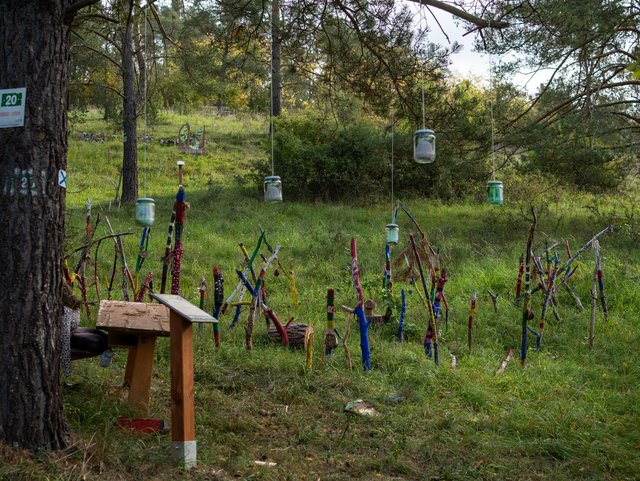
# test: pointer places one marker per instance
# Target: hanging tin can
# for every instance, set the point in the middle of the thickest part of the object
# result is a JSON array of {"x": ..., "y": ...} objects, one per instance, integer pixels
[
  {"x": 145, "y": 211},
  {"x": 272, "y": 188},
  {"x": 392, "y": 232},
  {"x": 494, "y": 192},
  {"x": 424, "y": 146}
]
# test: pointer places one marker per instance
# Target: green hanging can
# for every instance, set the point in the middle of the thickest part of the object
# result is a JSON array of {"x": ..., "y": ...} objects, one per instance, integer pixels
[{"x": 494, "y": 192}]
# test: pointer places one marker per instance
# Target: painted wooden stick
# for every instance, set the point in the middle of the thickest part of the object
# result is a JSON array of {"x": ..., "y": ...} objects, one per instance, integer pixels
[
  {"x": 248, "y": 337},
  {"x": 290, "y": 274},
  {"x": 584, "y": 247},
  {"x": 166, "y": 259},
  {"x": 519, "y": 281},
  {"x": 603, "y": 299},
  {"x": 177, "y": 250},
  {"x": 386, "y": 279},
  {"x": 439, "y": 294},
  {"x": 472, "y": 314},
  {"x": 330, "y": 340},
  {"x": 246, "y": 259},
  {"x": 309, "y": 358},
  {"x": 403, "y": 311},
  {"x": 239, "y": 305},
  {"x": 547, "y": 299},
  {"x": 88, "y": 219},
  {"x": 446, "y": 311},
  {"x": 526, "y": 307},
  {"x": 594, "y": 302},
  {"x": 146, "y": 285},
  {"x": 359, "y": 309},
  {"x": 543, "y": 286},
  {"x": 505, "y": 360},
  {"x": 282, "y": 330},
  {"x": 218, "y": 300},
  {"x": 142, "y": 253},
  {"x": 432, "y": 326}
]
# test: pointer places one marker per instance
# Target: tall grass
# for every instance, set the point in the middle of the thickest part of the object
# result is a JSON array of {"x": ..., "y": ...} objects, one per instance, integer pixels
[{"x": 571, "y": 413}]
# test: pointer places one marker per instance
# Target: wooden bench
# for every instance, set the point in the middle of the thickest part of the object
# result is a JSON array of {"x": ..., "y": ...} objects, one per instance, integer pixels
[{"x": 136, "y": 326}]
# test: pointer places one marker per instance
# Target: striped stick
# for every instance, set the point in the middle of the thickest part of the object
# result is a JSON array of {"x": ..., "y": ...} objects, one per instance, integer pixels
[
  {"x": 166, "y": 259},
  {"x": 146, "y": 285},
  {"x": 526, "y": 307},
  {"x": 177, "y": 250},
  {"x": 218, "y": 300}
]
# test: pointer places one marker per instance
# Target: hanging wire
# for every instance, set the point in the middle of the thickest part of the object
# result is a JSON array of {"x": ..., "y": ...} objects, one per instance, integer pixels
[
  {"x": 491, "y": 104},
  {"x": 423, "y": 19},
  {"x": 271, "y": 130},
  {"x": 424, "y": 123},
  {"x": 144, "y": 79},
  {"x": 392, "y": 139}
]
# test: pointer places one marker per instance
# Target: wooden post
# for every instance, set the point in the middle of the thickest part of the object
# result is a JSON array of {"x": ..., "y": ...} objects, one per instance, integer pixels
[
  {"x": 183, "y": 424},
  {"x": 140, "y": 381}
]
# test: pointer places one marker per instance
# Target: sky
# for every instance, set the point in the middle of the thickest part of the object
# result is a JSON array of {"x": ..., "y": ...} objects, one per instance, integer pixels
[{"x": 468, "y": 63}]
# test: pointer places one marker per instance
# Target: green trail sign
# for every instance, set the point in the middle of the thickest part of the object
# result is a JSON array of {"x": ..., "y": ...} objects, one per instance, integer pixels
[{"x": 12, "y": 102}]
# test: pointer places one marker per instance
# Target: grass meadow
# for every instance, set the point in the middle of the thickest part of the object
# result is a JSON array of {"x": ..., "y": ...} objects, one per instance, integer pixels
[{"x": 571, "y": 413}]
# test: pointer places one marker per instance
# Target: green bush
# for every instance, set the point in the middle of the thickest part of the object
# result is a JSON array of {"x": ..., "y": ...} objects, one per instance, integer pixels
[{"x": 322, "y": 158}]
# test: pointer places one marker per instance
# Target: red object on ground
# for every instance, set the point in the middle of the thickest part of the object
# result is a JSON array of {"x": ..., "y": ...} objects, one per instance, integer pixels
[{"x": 141, "y": 425}]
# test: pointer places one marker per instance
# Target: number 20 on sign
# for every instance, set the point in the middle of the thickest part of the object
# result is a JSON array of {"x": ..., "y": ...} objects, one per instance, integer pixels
[
  {"x": 12, "y": 102},
  {"x": 13, "y": 99}
]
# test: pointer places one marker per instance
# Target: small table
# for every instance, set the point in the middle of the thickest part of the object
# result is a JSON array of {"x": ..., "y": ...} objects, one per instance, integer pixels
[{"x": 183, "y": 427}]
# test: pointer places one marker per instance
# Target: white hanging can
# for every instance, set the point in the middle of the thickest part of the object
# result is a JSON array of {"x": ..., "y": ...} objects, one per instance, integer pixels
[
  {"x": 145, "y": 211},
  {"x": 272, "y": 188},
  {"x": 424, "y": 146}
]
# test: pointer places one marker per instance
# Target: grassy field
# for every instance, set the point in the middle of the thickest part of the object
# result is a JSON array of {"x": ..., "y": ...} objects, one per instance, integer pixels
[{"x": 571, "y": 413}]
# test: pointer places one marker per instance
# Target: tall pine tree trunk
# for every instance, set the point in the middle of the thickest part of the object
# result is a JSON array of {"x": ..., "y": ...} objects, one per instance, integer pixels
[
  {"x": 130, "y": 154},
  {"x": 34, "y": 54}
]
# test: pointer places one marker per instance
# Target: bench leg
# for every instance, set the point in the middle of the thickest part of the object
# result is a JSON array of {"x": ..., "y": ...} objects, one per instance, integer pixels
[
  {"x": 131, "y": 362},
  {"x": 141, "y": 371},
  {"x": 183, "y": 425}
]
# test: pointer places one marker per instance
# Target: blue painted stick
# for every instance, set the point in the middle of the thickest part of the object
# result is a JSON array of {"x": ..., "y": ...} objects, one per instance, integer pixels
[
  {"x": 359, "y": 310},
  {"x": 403, "y": 310}
]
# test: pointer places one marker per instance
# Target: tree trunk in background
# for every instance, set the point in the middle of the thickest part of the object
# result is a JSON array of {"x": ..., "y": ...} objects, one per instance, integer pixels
[
  {"x": 276, "y": 75},
  {"x": 130, "y": 155},
  {"x": 35, "y": 54}
]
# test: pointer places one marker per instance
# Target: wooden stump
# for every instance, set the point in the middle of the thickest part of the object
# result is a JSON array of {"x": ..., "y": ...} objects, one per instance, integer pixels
[{"x": 299, "y": 334}]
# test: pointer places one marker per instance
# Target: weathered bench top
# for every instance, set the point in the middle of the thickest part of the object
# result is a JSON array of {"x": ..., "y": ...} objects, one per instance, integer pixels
[
  {"x": 184, "y": 308},
  {"x": 133, "y": 317}
]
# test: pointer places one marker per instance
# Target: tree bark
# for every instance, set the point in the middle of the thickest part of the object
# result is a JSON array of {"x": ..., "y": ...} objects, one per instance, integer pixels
[
  {"x": 35, "y": 54},
  {"x": 130, "y": 154}
]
